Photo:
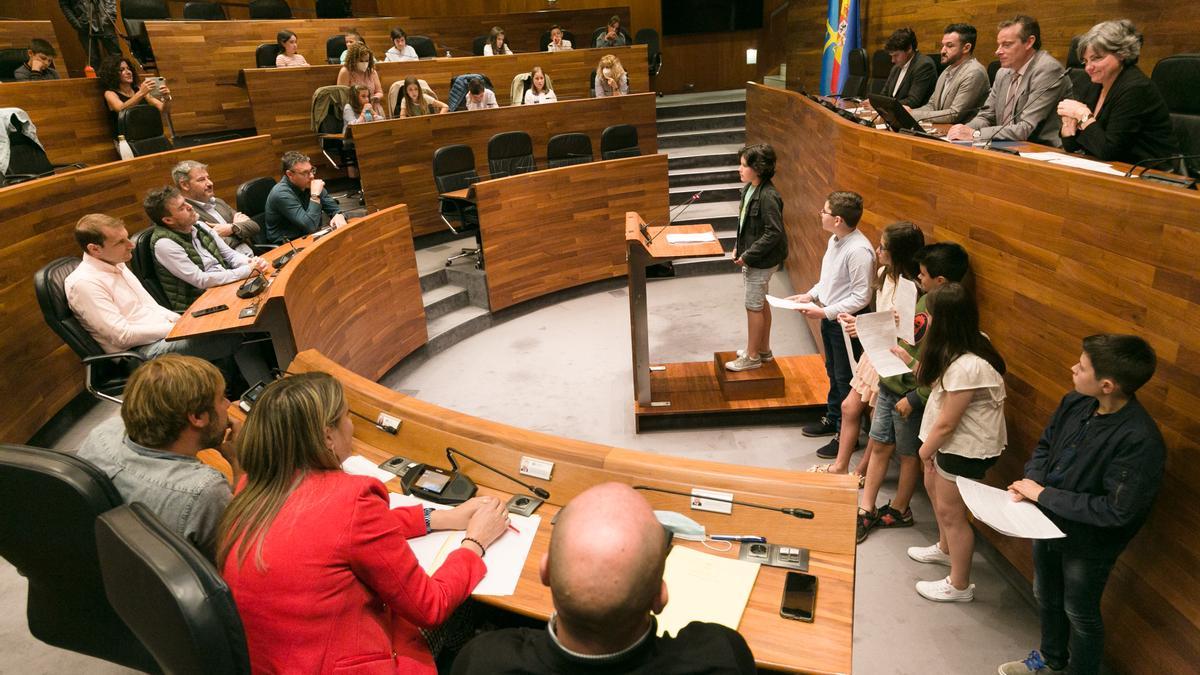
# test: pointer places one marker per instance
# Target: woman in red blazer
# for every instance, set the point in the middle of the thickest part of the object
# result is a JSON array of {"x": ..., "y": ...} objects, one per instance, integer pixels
[{"x": 319, "y": 565}]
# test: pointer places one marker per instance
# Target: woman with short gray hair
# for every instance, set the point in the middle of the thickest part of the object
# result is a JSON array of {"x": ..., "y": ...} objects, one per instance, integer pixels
[{"x": 1121, "y": 116}]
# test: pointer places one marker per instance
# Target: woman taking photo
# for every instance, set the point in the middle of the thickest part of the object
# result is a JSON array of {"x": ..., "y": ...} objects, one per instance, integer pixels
[
  {"x": 360, "y": 69},
  {"x": 288, "y": 54},
  {"x": 538, "y": 91},
  {"x": 319, "y": 566},
  {"x": 118, "y": 78},
  {"x": 414, "y": 102},
  {"x": 495, "y": 43},
  {"x": 611, "y": 79}
]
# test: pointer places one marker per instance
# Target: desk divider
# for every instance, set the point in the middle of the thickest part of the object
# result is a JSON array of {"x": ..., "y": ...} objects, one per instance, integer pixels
[{"x": 71, "y": 117}]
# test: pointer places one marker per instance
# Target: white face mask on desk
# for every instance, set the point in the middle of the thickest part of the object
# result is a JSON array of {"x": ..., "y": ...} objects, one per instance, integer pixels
[{"x": 361, "y": 66}]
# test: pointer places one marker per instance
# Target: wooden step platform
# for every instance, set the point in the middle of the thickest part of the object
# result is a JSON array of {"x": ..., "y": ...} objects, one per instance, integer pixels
[
  {"x": 693, "y": 396},
  {"x": 764, "y": 382}
]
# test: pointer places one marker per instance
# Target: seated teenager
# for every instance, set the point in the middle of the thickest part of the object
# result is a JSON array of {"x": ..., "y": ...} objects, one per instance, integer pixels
[
  {"x": 539, "y": 91},
  {"x": 353, "y": 37},
  {"x": 358, "y": 110},
  {"x": 612, "y": 35},
  {"x": 495, "y": 44},
  {"x": 479, "y": 96},
  {"x": 289, "y": 54},
  {"x": 557, "y": 43},
  {"x": 360, "y": 69},
  {"x": 188, "y": 256},
  {"x": 1123, "y": 117},
  {"x": 40, "y": 65},
  {"x": 175, "y": 407},
  {"x": 318, "y": 564},
  {"x": 117, "y": 77},
  {"x": 611, "y": 79},
  {"x": 605, "y": 573},
  {"x": 297, "y": 202},
  {"x": 414, "y": 102},
  {"x": 237, "y": 229},
  {"x": 400, "y": 51}
]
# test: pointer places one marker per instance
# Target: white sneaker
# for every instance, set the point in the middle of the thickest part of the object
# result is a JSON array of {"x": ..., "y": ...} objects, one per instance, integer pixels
[
  {"x": 743, "y": 363},
  {"x": 765, "y": 357},
  {"x": 943, "y": 591},
  {"x": 929, "y": 554}
]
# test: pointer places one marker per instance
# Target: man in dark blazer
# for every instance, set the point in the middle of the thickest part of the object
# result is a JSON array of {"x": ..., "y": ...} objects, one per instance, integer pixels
[
  {"x": 913, "y": 74},
  {"x": 237, "y": 229}
]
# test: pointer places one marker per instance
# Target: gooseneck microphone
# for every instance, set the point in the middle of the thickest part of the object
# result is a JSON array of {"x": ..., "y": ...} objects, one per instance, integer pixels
[
  {"x": 1158, "y": 161},
  {"x": 670, "y": 219},
  {"x": 253, "y": 286},
  {"x": 1016, "y": 115},
  {"x": 788, "y": 511},
  {"x": 541, "y": 493},
  {"x": 284, "y": 259}
]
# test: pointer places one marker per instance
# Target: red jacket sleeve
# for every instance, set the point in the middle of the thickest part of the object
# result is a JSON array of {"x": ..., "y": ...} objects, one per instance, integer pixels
[{"x": 380, "y": 556}]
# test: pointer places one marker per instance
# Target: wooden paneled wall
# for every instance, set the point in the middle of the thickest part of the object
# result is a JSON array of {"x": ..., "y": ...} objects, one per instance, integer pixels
[
  {"x": 533, "y": 245},
  {"x": 1059, "y": 254},
  {"x": 38, "y": 369},
  {"x": 281, "y": 98},
  {"x": 202, "y": 59},
  {"x": 395, "y": 157},
  {"x": 17, "y": 34},
  {"x": 1169, "y": 28},
  {"x": 71, "y": 117}
]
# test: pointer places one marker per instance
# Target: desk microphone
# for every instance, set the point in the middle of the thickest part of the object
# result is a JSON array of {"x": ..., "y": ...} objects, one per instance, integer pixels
[
  {"x": 253, "y": 286},
  {"x": 670, "y": 219},
  {"x": 541, "y": 493},
  {"x": 284, "y": 259},
  {"x": 795, "y": 512},
  {"x": 1156, "y": 161},
  {"x": 1053, "y": 87}
]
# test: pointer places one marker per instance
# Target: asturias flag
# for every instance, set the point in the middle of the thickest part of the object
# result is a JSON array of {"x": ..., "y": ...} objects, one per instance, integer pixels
[{"x": 841, "y": 35}]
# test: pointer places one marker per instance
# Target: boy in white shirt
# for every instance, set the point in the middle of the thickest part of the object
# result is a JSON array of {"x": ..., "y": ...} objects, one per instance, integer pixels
[{"x": 400, "y": 50}]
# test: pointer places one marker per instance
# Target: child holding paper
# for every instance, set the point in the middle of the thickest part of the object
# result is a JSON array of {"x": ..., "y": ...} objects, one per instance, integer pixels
[
  {"x": 1095, "y": 473},
  {"x": 962, "y": 432}
]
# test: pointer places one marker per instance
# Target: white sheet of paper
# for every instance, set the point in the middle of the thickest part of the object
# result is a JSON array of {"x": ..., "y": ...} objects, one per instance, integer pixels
[
  {"x": 358, "y": 465},
  {"x": 783, "y": 303},
  {"x": 1070, "y": 160},
  {"x": 505, "y": 557},
  {"x": 694, "y": 238},
  {"x": 877, "y": 334},
  {"x": 996, "y": 508},
  {"x": 849, "y": 348},
  {"x": 906, "y": 307},
  {"x": 705, "y": 587},
  {"x": 1042, "y": 156}
]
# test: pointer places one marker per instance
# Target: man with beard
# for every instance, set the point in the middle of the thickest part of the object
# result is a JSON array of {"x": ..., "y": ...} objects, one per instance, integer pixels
[{"x": 174, "y": 407}]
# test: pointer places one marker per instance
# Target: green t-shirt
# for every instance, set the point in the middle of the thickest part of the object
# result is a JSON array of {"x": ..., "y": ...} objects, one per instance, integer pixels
[
  {"x": 745, "y": 202},
  {"x": 902, "y": 384}
]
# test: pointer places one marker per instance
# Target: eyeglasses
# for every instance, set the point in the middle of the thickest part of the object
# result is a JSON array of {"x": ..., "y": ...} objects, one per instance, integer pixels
[
  {"x": 311, "y": 172},
  {"x": 824, "y": 212}
]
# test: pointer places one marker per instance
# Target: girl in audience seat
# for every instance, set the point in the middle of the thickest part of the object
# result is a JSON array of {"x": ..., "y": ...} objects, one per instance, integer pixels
[
  {"x": 611, "y": 79},
  {"x": 288, "y": 50},
  {"x": 538, "y": 91},
  {"x": 495, "y": 44},
  {"x": 360, "y": 69},
  {"x": 118, "y": 78},
  {"x": 414, "y": 102}
]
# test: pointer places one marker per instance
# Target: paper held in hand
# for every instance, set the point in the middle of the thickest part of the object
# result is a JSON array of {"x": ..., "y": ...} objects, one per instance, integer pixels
[
  {"x": 906, "y": 307},
  {"x": 783, "y": 303},
  {"x": 996, "y": 508},
  {"x": 877, "y": 333}
]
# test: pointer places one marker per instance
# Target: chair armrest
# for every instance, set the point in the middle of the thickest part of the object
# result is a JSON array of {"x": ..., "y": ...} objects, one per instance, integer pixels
[
  {"x": 339, "y": 137},
  {"x": 87, "y": 360}
]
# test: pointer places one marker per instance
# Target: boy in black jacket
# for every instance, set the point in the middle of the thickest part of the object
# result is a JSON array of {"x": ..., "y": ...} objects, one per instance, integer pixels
[{"x": 1095, "y": 473}]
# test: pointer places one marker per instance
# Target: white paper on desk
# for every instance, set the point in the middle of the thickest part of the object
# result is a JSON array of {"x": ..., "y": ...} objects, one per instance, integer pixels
[
  {"x": 505, "y": 557},
  {"x": 690, "y": 238},
  {"x": 358, "y": 465},
  {"x": 705, "y": 587},
  {"x": 996, "y": 508},
  {"x": 1042, "y": 156},
  {"x": 1062, "y": 159},
  {"x": 905, "y": 300},
  {"x": 783, "y": 303},
  {"x": 877, "y": 334}
]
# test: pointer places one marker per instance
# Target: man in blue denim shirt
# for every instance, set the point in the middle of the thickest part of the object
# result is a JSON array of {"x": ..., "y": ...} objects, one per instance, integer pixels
[{"x": 175, "y": 406}]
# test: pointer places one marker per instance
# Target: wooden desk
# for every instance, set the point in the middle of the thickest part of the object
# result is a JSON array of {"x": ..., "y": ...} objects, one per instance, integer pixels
[
  {"x": 281, "y": 98},
  {"x": 1058, "y": 254},
  {"x": 201, "y": 59},
  {"x": 534, "y": 245},
  {"x": 71, "y": 118},
  {"x": 387, "y": 181},
  {"x": 824, "y": 645},
  {"x": 17, "y": 34}
]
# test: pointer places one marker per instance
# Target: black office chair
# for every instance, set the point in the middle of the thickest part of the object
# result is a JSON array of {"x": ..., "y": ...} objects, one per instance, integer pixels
[
  {"x": 881, "y": 66},
  {"x": 601, "y": 31},
  {"x": 510, "y": 153},
  {"x": 477, "y": 45},
  {"x": 568, "y": 149},
  {"x": 142, "y": 127},
  {"x": 454, "y": 169},
  {"x": 204, "y": 11},
  {"x": 264, "y": 55},
  {"x": 856, "y": 78},
  {"x": 619, "y": 141},
  {"x": 1178, "y": 80},
  {"x": 10, "y": 60},
  {"x": 50, "y": 502},
  {"x": 169, "y": 594},
  {"x": 27, "y": 159},
  {"x": 252, "y": 200},
  {"x": 142, "y": 266},
  {"x": 592, "y": 84},
  {"x": 104, "y": 374},
  {"x": 334, "y": 9},
  {"x": 993, "y": 68},
  {"x": 334, "y": 47},
  {"x": 423, "y": 46},
  {"x": 649, "y": 37},
  {"x": 270, "y": 9},
  {"x": 544, "y": 41},
  {"x": 134, "y": 14},
  {"x": 1080, "y": 82}
]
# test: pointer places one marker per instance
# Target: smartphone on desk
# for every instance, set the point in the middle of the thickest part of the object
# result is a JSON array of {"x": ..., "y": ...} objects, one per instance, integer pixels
[{"x": 799, "y": 597}]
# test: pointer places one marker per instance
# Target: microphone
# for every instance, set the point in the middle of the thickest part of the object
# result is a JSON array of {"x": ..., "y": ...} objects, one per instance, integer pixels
[
  {"x": 1155, "y": 161},
  {"x": 540, "y": 493},
  {"x": 1053, "y": 87},
  {"x": 670, "y": 219},
  {"x": 284, "y": 259},
  {"x": 787, "y": 511},
  {"x": 252, "y": 287}
]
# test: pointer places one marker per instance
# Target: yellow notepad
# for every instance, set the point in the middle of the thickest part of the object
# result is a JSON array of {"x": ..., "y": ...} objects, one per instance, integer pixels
[{"x": 703, "y": 587}]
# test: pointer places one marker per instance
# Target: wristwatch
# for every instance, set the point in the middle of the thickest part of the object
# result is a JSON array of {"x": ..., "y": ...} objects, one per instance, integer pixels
[
  {"x": 975, "y": 134},
  {"x": 1084, "y": 120}
]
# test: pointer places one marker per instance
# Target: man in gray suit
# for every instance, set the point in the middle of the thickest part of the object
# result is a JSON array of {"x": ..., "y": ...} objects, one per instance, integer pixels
[
  {"x": 1025, "y": 96},
  {"x": 912, "y": 76},
  {"x": 237, "y": 229},
  {"x": 963, "y": 86}
]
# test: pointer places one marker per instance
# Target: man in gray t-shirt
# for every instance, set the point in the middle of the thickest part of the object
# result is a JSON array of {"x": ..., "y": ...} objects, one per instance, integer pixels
[{"x": 174, "y": 407}]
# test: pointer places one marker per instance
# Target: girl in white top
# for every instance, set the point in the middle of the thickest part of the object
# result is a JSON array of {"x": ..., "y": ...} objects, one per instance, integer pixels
[
  {"x": 538, "y": 92},
  {"x": 400, "y": 50},
  {"x": 358, "y": 110},
  {"x": 495, "y": 44},
  {"x": 557, "y": 43},
  {"x": 288, "y": 54},
  {"x": 962, "y": 431},
  {"x": 414, "y": 102}
]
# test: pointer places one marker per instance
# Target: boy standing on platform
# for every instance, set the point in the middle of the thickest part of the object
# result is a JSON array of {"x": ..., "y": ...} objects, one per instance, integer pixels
[
  {"x": 844, "y": 286},
  {"x": 1095, "y": 472}
]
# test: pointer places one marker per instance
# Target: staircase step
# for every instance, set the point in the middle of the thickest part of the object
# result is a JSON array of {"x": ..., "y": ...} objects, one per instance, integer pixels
[
  {"x": 442, "y": 300},
  {"x": 709, "y": 192},
  {"x": 431, "y": 279},
  {"x": 701, "y": 157},
  {"x": 702, "y": 175},
  {"x": 698, "y": 138},
  {"x": 456, "y": 326},
  {"x": 701, "y": 122},
  {"x": 668, "y": 111}
]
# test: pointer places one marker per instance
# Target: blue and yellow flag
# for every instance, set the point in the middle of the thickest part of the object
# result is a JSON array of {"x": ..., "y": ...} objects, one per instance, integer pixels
[{"x": 841, "y": 35}]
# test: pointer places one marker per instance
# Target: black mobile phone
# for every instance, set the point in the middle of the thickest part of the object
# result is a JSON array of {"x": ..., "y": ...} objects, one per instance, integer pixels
[
  {"x": 799, "y": 597},
  {"x": 210, "y": 310}
]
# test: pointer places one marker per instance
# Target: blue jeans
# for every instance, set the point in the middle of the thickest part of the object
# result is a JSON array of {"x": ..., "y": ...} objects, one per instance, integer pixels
[
  {"x": 1068, "y": 588},
  {"x": 837, "y": 367}
]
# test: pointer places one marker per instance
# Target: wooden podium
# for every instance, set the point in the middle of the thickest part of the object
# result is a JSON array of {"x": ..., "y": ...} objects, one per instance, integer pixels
[{"x": 704, "y": 393}]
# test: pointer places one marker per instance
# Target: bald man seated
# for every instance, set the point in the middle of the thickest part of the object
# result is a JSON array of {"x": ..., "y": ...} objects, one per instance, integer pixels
[{"x": 605, "y": 573}]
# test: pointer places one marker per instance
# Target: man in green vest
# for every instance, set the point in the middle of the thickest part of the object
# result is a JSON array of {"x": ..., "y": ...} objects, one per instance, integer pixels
[{"x": 188, "y": 255}]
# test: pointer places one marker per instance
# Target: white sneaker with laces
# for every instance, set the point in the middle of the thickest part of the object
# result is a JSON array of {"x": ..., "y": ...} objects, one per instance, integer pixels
[
  {"x": 765, "y": 357},
  {"x": 929, "y": 554},
  {"x": 743, "y": 363},
  {"x": 943, "y": 591}
]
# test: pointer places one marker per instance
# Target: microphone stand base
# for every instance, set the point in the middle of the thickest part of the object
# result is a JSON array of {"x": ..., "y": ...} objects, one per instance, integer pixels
[{"x": 523, "y": 505}]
